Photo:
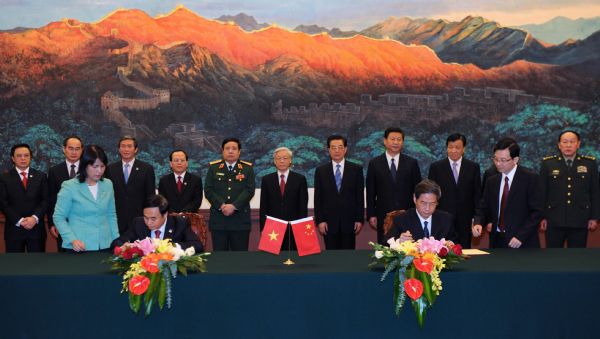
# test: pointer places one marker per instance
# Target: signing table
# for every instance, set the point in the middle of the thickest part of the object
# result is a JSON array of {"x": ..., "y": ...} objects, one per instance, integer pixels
[{"x": 551, "y": 293}]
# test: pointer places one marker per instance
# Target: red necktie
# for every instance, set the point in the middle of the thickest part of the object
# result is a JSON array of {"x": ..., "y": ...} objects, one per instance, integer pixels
[
  {"x": 157, "y": 234},
  {"x": 503, "y": 205},
  {"x": 24, "y": 174},
  {"x": 282, "y": 184},
  {"x": 179, "y": 184}
]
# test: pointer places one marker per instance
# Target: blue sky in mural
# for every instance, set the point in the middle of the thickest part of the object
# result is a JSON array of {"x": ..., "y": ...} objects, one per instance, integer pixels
[{"x": 330, "y": 13}]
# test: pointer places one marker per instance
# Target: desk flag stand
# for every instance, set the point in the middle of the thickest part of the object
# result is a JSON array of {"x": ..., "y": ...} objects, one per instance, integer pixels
[
  {"x": 303, "y": 230},
  {"x": 289, "y": 261}
]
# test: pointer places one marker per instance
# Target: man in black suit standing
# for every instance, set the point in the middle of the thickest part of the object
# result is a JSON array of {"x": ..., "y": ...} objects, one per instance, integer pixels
[
  {"x": 24, "y": 200},
  {"x": 133, "y": 181},
  {"x": 391, "y": 181},
  {"x": 156, "y": 223},
  {"x": 283, "y": 194},
  {"x": 65, "y": 170},
  {"x": 339, "y": 197},
  {"x": 511, "y": 201},
  {"x": 424, "y": 221},
  {"x": 460, "y": 182},
  {"x": 182, "y": 189}
]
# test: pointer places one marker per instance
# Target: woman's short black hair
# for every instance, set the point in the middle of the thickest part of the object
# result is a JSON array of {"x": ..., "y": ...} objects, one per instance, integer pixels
[{"x": 89, "y": 156}]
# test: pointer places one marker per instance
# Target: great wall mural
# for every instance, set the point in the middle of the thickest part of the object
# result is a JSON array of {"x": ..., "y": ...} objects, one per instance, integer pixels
[{"x": 182, "y": 80}]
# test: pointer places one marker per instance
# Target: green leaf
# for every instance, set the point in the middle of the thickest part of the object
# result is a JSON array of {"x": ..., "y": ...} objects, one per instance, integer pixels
[
  {"x": 162, "y": 291},
  {"x": 420, "y": 306},
  {"x": 426, "y": 280},
  {"x": 135, "y": 302}
]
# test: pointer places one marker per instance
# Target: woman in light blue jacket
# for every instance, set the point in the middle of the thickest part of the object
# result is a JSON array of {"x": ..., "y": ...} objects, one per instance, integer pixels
[{"x": 85, "y": 214}]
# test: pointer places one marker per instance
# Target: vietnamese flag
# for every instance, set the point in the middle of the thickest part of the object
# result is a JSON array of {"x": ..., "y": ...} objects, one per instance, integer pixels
[
  {"x": 305, "y": 235},
  {"x": 272, "y": 235}
]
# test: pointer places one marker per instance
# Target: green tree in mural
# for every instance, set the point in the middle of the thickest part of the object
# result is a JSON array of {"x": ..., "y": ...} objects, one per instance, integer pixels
[
  {"x": 46, "y": 145},
  {"x": 536, "y": 129}
]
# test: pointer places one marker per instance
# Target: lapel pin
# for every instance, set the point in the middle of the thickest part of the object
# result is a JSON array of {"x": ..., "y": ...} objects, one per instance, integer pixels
[{"x": 170, "y": 231}]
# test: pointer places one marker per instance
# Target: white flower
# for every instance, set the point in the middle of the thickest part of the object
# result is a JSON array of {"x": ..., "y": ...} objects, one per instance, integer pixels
[
  {"x": 378, "y": 254},
  {"x": 189, "y": 251},
  {"x": 176, "y": 252},
  {"x": 394, "y": 244}
]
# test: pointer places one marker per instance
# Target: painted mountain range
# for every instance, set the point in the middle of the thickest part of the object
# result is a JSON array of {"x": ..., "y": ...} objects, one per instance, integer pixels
[
  {"x": 560, "y": 29},
  {"x": 187, "y": 51}
]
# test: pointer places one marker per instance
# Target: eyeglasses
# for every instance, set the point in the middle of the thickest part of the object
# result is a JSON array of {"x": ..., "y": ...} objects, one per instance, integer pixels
[
  {"x": 501, "y": 160},
  {"x": 281, "y": 158}
]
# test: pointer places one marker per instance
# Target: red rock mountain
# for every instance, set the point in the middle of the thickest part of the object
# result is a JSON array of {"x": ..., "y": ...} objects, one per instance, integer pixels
[{"x": 368, "y": 63}]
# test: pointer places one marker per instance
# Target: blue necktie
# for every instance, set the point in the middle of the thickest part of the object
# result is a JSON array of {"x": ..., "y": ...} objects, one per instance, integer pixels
[
  {"x": 455, "y": 171},
  {"x": 393, "y": 170},
  {"x": 425, "y": 229},
  {"x": 126, "y": 172},
  {"x": 338, "y": 177}
]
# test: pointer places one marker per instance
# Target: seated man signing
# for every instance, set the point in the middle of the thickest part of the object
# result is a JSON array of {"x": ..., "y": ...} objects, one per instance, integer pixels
[
  {"x": 156, "y": 223},
  {"x": 424, "y": 221}
]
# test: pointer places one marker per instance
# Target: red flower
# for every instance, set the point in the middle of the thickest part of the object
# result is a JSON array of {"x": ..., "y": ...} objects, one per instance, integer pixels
[
  {"x": 443, "y": 252},
  {"x": 413, "y": 288},
  {"x": 117, "y": 250},
  {"x": 139, "y": 284},
  {"x": 423, "y": 265},
  {"x": 457, "y": 249},
  {"x": 150, "y": 264}
]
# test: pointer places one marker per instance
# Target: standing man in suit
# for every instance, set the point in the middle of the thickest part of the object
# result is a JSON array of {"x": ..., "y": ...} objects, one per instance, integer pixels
[
  {"x": 133, "y": 182},
  {"x": 425, "y": 220},
  {"x": 283, "y": 194},
  {"x": 65, "y": 170},
  {"x": 571, "y": 194},
  {"x": 511, "y": 201},
  {"x": 24, "y": 200},
  {"x": 183, "y": 190},
  {"x": 391, "y": 181},
  {"x": 460, "y": 183},
  {"x": 229, "y": 188},
  {"x": 339, "y": 197},
  {"x": 156, "y": 223}
]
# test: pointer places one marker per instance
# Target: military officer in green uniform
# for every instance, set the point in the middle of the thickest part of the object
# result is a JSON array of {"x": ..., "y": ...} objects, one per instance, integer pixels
[
  {"x": 571, "y": 194},
  {"x": 229, "y": 186}
]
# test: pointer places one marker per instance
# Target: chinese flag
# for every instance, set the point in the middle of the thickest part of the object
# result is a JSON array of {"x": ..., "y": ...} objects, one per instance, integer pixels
[
  {"x": 272, "y": 235},
  {"x": 305, "y": 235}
]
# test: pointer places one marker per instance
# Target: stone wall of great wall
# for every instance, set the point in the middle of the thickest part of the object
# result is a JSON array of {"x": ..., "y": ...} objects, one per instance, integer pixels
[
  {"x": 492, "y": 104},
  {"x": 112, "y": 104}
]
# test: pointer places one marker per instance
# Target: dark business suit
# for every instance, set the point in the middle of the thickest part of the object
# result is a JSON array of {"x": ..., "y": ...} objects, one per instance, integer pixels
[
  {"x": 384, "y": 195},
  {"x": 292, "y": 206},
  {"x": 458, "y": 198},
  {"x": 523, "y": 210},
  {"x": 177, "y": 229},
  {"x": 442, "y": 225},
  {"x": 129, "y": 198},
  {"x": 340, "y": 210},
  {"x": 18, "y": 202},
  {"x": 56, "y": 175},
  {"x": 190, "y": 197}
]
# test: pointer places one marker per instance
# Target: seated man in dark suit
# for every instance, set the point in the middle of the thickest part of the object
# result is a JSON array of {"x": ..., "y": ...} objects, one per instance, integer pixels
[
  {"x": 424, "y": 221},
  {"x": 182, "y": 189},
  {"x": 156, "y": 223}
]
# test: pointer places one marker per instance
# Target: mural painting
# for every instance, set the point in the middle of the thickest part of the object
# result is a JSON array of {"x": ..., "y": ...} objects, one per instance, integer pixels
[{"x": 189, "y": 78}]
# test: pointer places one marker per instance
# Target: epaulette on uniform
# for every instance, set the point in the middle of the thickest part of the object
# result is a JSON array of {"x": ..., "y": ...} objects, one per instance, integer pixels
[
  {"x": 551, "y": 157},
  {"x": 589, "y": 157},
  {"x": 215, "y": 162},
  {"x": 246, "y": 163}
]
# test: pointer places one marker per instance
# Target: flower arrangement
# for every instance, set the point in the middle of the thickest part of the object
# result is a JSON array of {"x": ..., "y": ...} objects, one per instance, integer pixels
[
  {"x": 148, "y": 266},
  {"x": 416, "y": 266}
]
